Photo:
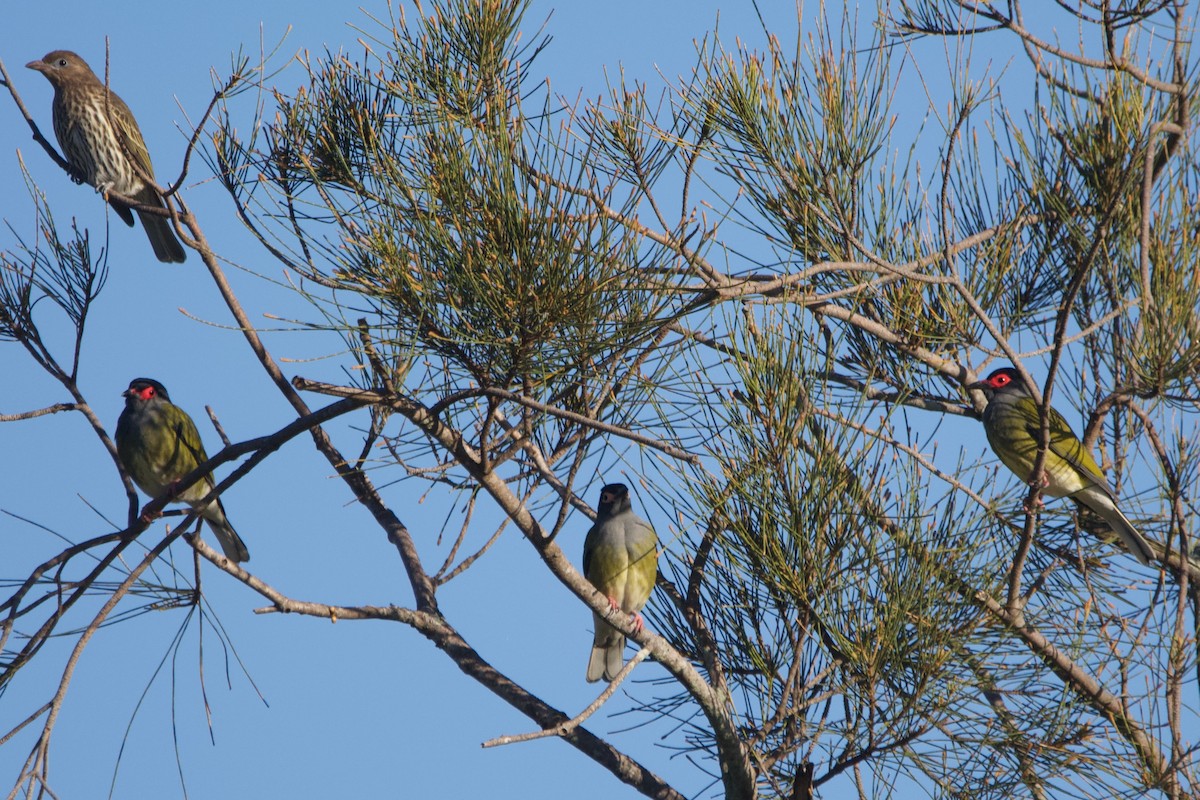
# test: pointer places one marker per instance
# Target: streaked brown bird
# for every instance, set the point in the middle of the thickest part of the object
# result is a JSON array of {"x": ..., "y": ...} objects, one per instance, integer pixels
[{"x": 101, "y": 141}]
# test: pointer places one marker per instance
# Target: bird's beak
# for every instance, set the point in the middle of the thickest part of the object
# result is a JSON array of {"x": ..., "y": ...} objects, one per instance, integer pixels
[
  {"x": 125, "y": 393},
  {"x": 980, "y": 385},
  {"x": 40, "y": 66}
]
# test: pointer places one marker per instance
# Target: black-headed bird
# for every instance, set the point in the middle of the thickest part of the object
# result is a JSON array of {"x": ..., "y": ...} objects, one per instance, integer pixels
[
  {"x": 1012, "y": 423},
  {"x": 620, "y": 558},
  {"x": 158, "y": 444}
]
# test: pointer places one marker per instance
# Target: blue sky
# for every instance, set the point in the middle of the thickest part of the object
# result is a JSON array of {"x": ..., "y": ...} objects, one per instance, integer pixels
[
  {"x": 352, "y": 709},
  {"x": 349, "y": 709}
]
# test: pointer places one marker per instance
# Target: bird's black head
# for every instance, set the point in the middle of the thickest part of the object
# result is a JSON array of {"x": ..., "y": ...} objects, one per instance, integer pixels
[
  {"x": 1003, "y": 379},
  {"x": 143, "y": 390},
  {"x": 614, "y": 498}
]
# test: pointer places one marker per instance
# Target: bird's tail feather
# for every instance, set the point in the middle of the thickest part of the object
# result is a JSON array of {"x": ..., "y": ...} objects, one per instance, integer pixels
[
  {"x": 231, "y": 543},
  {"x": 606, "y": 660},
  {"x": 166, "y": 247},
  {"x": 608, "y": 651},
  {"x": 1130, "y": 536},
  {"x": 123, "y": 211}
]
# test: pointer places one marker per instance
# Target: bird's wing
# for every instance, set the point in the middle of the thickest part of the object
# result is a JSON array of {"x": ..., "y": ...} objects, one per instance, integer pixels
[
  {"x": 1066, "y": 445},
  {"x": 129, "y": 133},
  {"x": 188, "y": 443},
  {"x": 594, "y": 539}
]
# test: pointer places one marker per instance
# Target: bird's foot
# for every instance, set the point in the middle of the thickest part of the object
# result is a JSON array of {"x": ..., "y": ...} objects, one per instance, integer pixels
[
  {"x": 613, "y": 604},
  {"x": 149, "y": 514},
  {"x": 1040, "y": 482},
  {"x": 103, "y": 189},
  {"x": 639, "y": 624}
]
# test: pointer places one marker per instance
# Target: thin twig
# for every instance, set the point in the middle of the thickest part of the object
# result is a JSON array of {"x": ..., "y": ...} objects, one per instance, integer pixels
[{"x": 562, "y": 729}]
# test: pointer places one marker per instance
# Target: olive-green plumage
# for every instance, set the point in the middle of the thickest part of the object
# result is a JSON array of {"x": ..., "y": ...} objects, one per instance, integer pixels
[
  {"x": 158, "y": 444},
  {"x": 1012, "y": 423},
  {"x": 104, "y": 146},
  {"x": 620, "y": 558}
]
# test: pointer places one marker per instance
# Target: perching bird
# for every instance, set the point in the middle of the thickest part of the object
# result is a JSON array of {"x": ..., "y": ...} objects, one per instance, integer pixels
[
  {"x": 158, "y": 444},
  {"x": 101, "y": 141},
  {"x": 1011, "y": 421},
  {"x": 620, "y": 558}
]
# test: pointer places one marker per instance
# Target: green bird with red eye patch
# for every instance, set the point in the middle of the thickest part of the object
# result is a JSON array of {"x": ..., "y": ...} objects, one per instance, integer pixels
[
  {"x": 158, "y": 444},
  {"x": 1013, "y": 426}
]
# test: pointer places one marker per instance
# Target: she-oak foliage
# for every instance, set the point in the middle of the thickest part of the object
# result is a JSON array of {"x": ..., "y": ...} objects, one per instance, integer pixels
[{"x": 759, "y": 296}]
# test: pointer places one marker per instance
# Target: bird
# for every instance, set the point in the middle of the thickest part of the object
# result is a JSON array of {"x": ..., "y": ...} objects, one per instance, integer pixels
[
  {"x": 158, "y": 444},
  {"x": 1012, "y": 424},
  {"x": 620, "y": 559},
  {"x": 101, "y": 141}
]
